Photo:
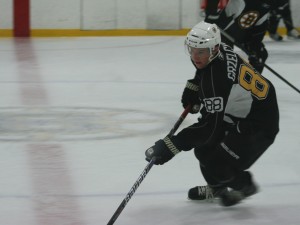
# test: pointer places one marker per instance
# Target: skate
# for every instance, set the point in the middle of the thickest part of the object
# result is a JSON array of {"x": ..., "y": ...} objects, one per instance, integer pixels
[
  {"x": 233, "y": 197},
  {"x": 293, "y": 34},
  {"x": 205, "y": 192},
  {"x": 276, "y": 37}
]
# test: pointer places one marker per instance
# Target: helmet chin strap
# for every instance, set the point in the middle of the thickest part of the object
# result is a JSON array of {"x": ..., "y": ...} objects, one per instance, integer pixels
[{"x": 213, "y": 56}]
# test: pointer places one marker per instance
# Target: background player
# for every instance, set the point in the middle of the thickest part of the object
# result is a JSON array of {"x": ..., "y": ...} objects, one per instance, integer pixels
[
  {"x": 281, "y": 10},
  {"x": 247, "y": 22}
]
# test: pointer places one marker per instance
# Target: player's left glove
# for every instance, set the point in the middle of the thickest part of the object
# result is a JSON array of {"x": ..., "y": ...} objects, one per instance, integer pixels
[
  {"x": 163, "y": 150},
  {"x": 190, "y": 96}
]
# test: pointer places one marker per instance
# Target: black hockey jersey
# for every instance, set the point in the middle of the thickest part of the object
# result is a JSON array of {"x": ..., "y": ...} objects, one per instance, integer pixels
[
  {"x": 231, "y": 90},
  {"x": 242, "y": 19}
]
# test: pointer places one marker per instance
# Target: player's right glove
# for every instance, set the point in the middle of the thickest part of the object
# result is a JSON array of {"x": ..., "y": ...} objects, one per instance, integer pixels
[
  {"x": 163, "y": 150},
  {"x": 190, "y": 96}
]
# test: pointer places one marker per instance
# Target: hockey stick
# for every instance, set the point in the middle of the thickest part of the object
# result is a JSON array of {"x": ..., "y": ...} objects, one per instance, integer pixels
[
  {"x": 268, "y": 67},
  {"x": 145, "y": 171}
]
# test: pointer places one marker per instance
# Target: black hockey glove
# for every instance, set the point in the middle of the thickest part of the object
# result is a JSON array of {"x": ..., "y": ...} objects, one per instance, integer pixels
[
  {"x": 257, "y": 62},
  {"x": 190, "y": 96},
  {"x": 257, "y": 53},
  {"x": 163, "y": 150}
]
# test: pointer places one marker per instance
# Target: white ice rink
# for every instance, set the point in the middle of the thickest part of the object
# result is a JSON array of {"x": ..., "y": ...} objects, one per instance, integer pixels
[{"x": 77, "y": 114}]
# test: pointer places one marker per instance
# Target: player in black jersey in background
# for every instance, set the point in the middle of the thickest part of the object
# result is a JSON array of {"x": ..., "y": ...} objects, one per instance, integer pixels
[
  {"x": 281, "y": 10},
  {"x": 240, "y": 118},
  {"x": 247, "y": 22}
]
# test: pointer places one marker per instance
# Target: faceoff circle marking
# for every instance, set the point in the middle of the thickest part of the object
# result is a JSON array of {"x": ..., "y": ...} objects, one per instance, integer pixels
[{"x": 76, "y": 123}]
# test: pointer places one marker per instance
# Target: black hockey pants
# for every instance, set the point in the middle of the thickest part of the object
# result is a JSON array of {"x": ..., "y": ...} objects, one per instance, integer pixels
[{"x": 234, "y": 153}]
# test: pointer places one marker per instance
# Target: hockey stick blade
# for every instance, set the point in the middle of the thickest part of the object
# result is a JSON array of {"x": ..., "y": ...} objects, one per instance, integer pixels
[{"x": 145, "y": 172}]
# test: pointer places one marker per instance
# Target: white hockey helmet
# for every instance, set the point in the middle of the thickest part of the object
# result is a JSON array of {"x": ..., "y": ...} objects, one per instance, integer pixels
[{"x": 203, "y": 35}]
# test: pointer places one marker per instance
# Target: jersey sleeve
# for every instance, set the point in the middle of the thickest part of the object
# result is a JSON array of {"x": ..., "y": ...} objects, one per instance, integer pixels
[{"x": 215, "y": 88}]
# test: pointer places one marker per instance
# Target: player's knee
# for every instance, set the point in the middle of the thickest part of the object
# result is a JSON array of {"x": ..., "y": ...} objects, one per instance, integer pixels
[
  {"x": 220, "y": 168},
  {"x": 202, "y": 154}
]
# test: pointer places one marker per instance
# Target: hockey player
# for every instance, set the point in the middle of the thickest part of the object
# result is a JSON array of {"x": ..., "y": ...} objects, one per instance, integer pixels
[
  {"x": 247, "y": 22},
  {"x": 281, "y": 9},
  {"x": 239, "y": 118}
]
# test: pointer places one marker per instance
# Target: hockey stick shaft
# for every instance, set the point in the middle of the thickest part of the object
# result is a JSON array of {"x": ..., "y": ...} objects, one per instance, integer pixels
[
  {"x": 230, "y": 38},
  {"x": 131, "y": 192},
  {"x": 145, "y": 171},
  {"x": 180, "y": 120}
]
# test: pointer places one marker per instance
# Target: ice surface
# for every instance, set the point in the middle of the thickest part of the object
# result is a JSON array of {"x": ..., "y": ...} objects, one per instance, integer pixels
[{"x": 90, "y": 107}]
